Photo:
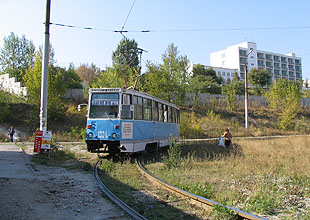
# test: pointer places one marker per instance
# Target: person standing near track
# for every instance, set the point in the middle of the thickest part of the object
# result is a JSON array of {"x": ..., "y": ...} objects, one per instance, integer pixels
[
  {"x": 11, "y": 133},
  {"x": 227, "y": 137}
]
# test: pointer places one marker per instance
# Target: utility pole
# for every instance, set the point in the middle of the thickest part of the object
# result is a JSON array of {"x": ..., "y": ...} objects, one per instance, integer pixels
[
  {"x": 246, "y": 92},
  {"x": 44, "y": 77}
]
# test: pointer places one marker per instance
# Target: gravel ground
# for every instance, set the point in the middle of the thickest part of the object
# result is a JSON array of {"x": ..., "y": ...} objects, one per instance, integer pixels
[{"x": 40, "y": 192}]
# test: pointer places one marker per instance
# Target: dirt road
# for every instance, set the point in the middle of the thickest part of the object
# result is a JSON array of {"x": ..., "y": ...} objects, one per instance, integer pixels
[{"x": 29, "y": 191}]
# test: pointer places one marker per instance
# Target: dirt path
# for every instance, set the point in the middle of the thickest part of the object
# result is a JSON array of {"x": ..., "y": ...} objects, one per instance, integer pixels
[{"x": 42, "y": 192}]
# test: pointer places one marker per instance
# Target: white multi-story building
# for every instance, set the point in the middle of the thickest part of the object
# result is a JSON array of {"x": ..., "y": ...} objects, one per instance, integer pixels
[{"x": 280, "y": 66}]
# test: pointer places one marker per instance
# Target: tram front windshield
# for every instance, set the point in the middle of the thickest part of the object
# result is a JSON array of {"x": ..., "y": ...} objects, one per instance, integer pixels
[{"x": 104, "y": 105}]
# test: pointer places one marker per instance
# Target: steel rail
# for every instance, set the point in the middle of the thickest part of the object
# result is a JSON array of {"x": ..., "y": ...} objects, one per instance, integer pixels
[
  {"x": 113, "y": 197},
  {"x": 241, "y": 138},
  {"x": 194, "y": 197}
]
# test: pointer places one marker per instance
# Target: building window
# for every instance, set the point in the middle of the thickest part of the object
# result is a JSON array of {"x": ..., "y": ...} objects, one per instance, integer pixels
[{"x": 223, "y": 73}]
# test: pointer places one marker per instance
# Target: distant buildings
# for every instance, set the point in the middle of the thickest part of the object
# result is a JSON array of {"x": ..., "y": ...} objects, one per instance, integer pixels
[{"x": 280, "y": 66}]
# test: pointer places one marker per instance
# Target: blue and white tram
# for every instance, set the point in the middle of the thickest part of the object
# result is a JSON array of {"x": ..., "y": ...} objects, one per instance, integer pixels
[{"x": 127, "y": 121}]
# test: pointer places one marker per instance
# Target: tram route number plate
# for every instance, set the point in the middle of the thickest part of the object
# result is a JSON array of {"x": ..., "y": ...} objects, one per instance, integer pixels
[{"x": 127, "y": 130}]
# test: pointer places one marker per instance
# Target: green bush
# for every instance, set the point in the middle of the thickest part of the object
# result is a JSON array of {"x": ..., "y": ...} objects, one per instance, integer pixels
[{"x": 173, "y": 159}]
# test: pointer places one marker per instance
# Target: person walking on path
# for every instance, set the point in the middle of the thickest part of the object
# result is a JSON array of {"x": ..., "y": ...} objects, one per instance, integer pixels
[
  {"x": 227, "y": 138},
  {"x": 11, "y": 132}
]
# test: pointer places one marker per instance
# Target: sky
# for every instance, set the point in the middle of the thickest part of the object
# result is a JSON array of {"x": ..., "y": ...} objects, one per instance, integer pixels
[{"x": 196, "y": 27}]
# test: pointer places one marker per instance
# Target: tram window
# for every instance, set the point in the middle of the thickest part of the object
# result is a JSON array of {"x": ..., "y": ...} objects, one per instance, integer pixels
[
  {"x": 155, "y": 111},
  {"x": 147, "y": 107},
  {"x": 138, "y": 107},
  {"x": 126, "y": 107},
  {"x": 126, "y": 99},
  {"x": 173, "y": 115},
  {"x": 161, "y": 112},
  {"x": 165, "y": 113},
  {"x": 104, "y": 105},
  {"x": 169, "y": 114}
]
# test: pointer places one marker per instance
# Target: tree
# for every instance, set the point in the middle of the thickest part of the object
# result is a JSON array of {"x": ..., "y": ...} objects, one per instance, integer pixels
[
  {"x": 202, "y": 71},
  {"x": 87, "y": 73},
  {"x": 17, "y": 55},
  {"x": 284, "y": 97},
  {"x": 56, "y": 88},
  {"x": 236, "y": 77},
  {"x": 126, "y": 60},
  {"x": 259, "y": 79},
  {"x": 230, "y": 92},
  {"x": 71, "y": 79},
  {"x": 170, "y": 79},
  {"x": 126, "y": 53}
]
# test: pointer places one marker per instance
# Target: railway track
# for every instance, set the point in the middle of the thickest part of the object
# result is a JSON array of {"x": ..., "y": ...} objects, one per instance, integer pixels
[
  {"x": 198, "y": 199},
  {"x": 113, "y": 197}
]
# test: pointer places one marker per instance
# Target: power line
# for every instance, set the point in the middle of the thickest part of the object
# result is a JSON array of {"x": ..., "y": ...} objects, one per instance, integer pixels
[
  {"x": 180, "y": 30},
  {"x": 128, "y": 14}
]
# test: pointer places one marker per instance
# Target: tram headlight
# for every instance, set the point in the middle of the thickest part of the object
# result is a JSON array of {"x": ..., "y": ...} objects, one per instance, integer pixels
[
  {"x": 90, "y": 135},
  {"x": 114, "y": 135}
]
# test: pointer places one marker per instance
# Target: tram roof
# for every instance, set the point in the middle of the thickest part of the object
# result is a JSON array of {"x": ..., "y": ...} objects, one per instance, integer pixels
[{"x": 130, "y": 91}]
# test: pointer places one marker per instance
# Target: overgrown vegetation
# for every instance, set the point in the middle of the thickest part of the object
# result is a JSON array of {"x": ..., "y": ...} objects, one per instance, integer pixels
[{"x": 265, "y": 177}]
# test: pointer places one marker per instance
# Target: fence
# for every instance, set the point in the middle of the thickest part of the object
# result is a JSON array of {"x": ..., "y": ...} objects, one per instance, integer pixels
[{"x": 204, "y": 98}]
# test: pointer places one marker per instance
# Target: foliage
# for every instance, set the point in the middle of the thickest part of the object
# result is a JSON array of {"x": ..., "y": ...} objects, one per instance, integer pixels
[
  {"x": 126, "y": 53},
  {"x": 191, "y": 125},
  {"x": 126, "y": 61},
  {"x": 71, "y": 79},
  {"x": 259, "y": 78},
  {"x": 56, "y": 88},
  {"x": 107, "y": 166},
  {"x": 204, "y": 81},
  {"x": 169, "y": 79},
  {"x": 109, "y": 78},
  {"x": 4, "y": 105},
  {"x": 284, "y": 97},
  {"x": 230, "y": 92},
  {"x": 87, "y": 73},
  {"x": 236, "y": 78},
  {"x": 77, "y": 133},
  {"x": 173, "y": 159},
  {"x": 17, "y": 55}
]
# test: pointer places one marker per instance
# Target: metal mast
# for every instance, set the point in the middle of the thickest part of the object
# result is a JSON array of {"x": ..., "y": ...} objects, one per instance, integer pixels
[{"x": 44, "y": 77}]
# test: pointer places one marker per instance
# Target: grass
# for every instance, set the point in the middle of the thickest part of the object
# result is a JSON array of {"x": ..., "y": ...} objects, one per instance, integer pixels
[
  {"x": 64, "y": 157},
  {"x": 267, "y": 177}
]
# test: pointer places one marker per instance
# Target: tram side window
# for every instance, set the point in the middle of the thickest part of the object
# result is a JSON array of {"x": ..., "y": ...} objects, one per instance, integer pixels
[
  {"x": 165, "y": 113},
  {"x": 173, "y": 115},
  {"x": 147, "y": 107},
  {"x": 155, "y": 111},
  {"x": 177, "y": 116},
  {"x": 138, "y": 107},
  {"x": 161, "y": 112},
  {"x": 126, "y": 110},
  {"x": 169, "y": 114}
]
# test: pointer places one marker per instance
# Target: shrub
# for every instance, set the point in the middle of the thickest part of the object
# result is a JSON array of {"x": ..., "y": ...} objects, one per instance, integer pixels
[{"x": 173, "y": 159}]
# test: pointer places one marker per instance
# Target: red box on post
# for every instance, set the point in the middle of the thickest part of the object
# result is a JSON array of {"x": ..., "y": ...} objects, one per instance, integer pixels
[{"x": 38, "y": 141}]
